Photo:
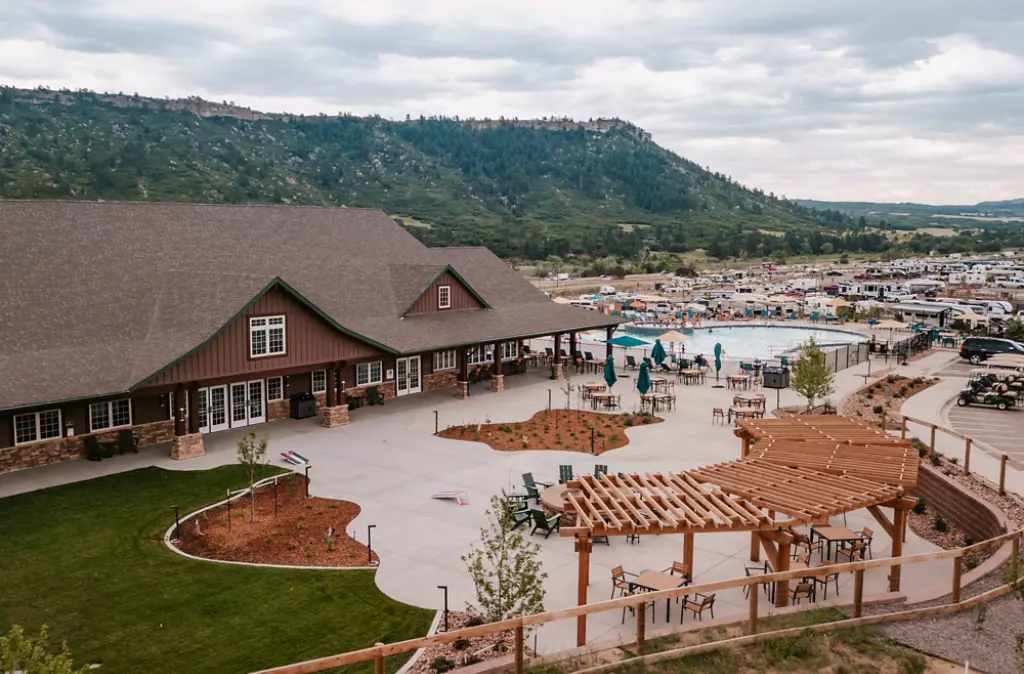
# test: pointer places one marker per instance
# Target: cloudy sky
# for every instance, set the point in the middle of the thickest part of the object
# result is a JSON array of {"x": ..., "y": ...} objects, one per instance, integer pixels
[{"x": 883, "y": 100}]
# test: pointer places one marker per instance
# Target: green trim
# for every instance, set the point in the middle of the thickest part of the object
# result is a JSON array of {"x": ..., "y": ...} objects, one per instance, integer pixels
[
  {"x": 447, "y": 269},
  {"x": 276, "y": 282}
]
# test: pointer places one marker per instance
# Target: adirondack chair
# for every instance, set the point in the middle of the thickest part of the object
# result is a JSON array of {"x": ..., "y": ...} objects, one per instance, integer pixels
[
  {"x": 374, "y": 396},
  {"x": 514, "y": 496},
  {"x": 127, "y": 442},
  {"x": 520, "y": 513},
  {"x": 665, "y": 368},
  {"x": 564, "y": 474},
  {"x": 529, "y": 482},
  {"x": 547, "y": 525},
  {"x": 600, "y": 469}
]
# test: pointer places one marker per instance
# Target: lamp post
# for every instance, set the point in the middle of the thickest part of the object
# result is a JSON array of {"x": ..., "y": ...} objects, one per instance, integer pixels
[
  {"x": 177, "y": 523},
  {"x": 435, "y": 422},
  {"x": 444, "y": 588},
  {"x": 307, "y": 480},
  {"x": 369, "y": 544},
  {"x": 275, "y": 497}
]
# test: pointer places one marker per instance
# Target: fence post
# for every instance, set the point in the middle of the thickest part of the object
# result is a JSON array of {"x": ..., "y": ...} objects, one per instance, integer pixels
[
  {"x": 641, "y": 626},
  {"x": 752, "y": 620},
  {"x": 378, "y": 660},
  {"x": 903, "y": 429},
  {"x": 519, "y": 649},
  {"x": 931, "y": 447},
  {"x": 967, "y": 456},
  {"x": 957, "y": 571},
  {"x": 1002, "y": 475},
  {"x": 1014, "y": 554},
  {"x": 858, "y": 592}
]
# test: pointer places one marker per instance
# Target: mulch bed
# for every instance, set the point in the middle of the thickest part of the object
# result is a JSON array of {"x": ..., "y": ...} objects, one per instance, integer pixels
[
  {"x": 885, "y": 396},
  {"x": 463, "y": 652},
  {"x": 565, "y": 430},
  {"x": 296, "y": 536}
]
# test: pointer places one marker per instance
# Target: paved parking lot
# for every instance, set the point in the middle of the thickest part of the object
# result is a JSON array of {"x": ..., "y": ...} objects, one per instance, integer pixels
[
  {"x": 1002, "y": 430},
  {"x": 957, "y": 368}
]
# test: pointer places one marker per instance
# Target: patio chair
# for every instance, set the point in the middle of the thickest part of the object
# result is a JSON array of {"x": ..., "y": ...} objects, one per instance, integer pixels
[
  {"x": 528, "y": 482},
  {"x": 852, "y": 553},
  {"x": 824, "y": 579},
  {"x": 520, "y": 513},
  {"x": 697, "y": 606},
  {"x": 666, "y": 368},
  {"x": 600, "y": 469},
  {"x": 374, "y": 396},
  {"x": 866, "y": 535},
  {"x": 632, "y": 593},
  {"x": 564, "y": 474},
  {"x": 620, "y": 583},
  {"x": 514, "y": 496},
  {"x": 678, "y": 569},
  {"x": 802, "y": 591},
  {"x": 93, "y": 450},
  {"x": 127, "y": 442},
  {"x": 630, "y": 362},
  {"x": 750, "y": 570},
  {"x": 474, "y": 377},
  {"x": 545, "y": 524},
  {"x": 650, "y": 364},
  {"x": 802, "y": 544}
]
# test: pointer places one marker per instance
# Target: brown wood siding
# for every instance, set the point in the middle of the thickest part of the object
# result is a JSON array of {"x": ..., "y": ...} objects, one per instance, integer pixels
[
  {"x": 309, "y": 341},
  {"x": 461, "y": 297}
]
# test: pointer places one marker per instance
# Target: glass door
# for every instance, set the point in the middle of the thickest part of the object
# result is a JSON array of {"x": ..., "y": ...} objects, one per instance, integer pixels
[
  {"x": 204, "y": 414},
  {"x": 239, "y": 406},
  {"x": 218, "y": 408},
  {"x": 401, "y": 376},
  {"x": 414, "y": 375},
  {"x": 257, "y": 411}
]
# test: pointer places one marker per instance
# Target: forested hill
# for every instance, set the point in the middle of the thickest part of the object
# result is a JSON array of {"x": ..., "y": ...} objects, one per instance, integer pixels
[{"x": 525, "y": 189}]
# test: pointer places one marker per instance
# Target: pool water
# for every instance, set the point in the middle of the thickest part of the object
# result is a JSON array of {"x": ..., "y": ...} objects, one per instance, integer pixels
[{"x": 752, "y": 341}]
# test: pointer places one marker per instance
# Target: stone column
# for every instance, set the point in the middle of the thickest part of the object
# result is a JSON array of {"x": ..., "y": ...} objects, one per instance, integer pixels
[
  {"x": 179, "y": 411},
  {"x": 497, "y": 377},
  {"x": 189, "y": 445},
  {"x": 332, "y": 385},
  {"x": 336, "y": 415},
  {"x": 462, "y": 383}
]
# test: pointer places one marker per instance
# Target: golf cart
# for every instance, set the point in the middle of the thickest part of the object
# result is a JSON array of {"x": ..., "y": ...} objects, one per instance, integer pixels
[{"x": 990, "y": 388}]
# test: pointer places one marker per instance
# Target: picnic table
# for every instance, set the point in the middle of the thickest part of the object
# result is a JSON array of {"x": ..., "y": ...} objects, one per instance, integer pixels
[
  {"x": 831, "y": 535},
  {"x": 747, "y": 399},
  {"x": 654, "y": 581},
  {"x": 737, "y": 380}
]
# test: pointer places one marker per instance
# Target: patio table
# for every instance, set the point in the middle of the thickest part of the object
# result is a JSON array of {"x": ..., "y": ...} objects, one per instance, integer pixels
[
  {"x": 655, "y": 581},
  {"x": 691, "y": 375},
  {"x": 737, "y": 380},
  {"x": 592, "y": 387},
  {"x": 598, "y": 397},
  {"x": 661, "y": 384},
  {"x": 832, "y": 534}
]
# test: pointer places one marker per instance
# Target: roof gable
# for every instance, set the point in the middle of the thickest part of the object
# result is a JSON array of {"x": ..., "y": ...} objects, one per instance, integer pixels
[{"x": 445, "y": 276}]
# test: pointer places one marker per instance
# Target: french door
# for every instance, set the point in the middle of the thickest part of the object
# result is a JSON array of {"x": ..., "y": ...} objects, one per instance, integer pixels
[
  {"x": 217, "y": 409},
  {"x": 407, "y": 376},
  {"x": 257, "y": 408},
  {"x": 247, "y": 403}
]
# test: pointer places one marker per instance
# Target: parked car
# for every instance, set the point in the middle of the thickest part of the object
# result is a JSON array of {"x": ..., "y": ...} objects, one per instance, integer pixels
[{"x": 977, "y": 349}]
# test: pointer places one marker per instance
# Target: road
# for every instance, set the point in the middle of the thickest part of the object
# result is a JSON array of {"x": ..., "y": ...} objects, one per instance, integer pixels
[{"x": 630, "y": 282}]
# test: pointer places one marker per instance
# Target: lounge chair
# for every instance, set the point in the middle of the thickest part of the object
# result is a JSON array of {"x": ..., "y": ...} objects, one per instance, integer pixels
[
  {"x": 600, "y": 469},
  {"x": 548, "y": 525},
  {"x": 528, "y": 482},
  {"x": 374, "y": 396},
  {"x": 564, "y": 474},
  {"x": 630, "y": 362},
  {"x": 665, "y": 368}
]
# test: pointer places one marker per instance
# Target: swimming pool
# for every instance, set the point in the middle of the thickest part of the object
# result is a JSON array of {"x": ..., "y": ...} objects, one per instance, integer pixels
[{"x": 752, "y": 341}]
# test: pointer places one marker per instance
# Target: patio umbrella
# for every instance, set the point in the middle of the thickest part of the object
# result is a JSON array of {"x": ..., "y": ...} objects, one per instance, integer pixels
[
  {"x": 674, "y": 336},
  {"x": 643, "y": 380},
  {"x": 890, "y": 324},
  {"x": 609, "y": 372},
  {"x": 718, "y": 359},
  {"x": 658, "y": 352},
  {"x": 626, "y": 341}
]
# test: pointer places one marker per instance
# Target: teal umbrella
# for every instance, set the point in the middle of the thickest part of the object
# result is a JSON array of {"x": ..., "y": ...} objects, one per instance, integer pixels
[
  {"x": 609, "y": 372},
  {"x": 643, "y": 380},
  {"x": 718, "y": 359},
  {"x": 626, "y": 341},
  {"x": 658, "y": 352}
]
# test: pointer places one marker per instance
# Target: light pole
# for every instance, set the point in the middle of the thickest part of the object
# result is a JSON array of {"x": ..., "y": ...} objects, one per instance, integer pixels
[
  {"x": 435, "y": 422},
  {"x": 307, "y": 480},
  {"x": 177, "y": 523},
  {"x": 444, "y": 588},
  {"x": 369, "y": 544}
]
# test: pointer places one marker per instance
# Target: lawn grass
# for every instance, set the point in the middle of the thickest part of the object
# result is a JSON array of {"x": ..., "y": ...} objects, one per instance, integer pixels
[{"x": 88, "y": 560}]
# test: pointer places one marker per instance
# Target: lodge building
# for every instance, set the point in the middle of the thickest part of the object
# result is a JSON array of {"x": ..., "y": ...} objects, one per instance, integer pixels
[{"x": 178, "y": 320}]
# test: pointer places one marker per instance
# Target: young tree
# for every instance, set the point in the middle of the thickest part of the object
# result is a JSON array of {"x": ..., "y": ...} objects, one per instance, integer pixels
[
  {"x": 19, "y": 653},
  {"x": 505, "y": 569},
  {"x": 811, "y": 377},
  {"x": 252, "y": 453},
  {"x": 1014, "y": 330}
]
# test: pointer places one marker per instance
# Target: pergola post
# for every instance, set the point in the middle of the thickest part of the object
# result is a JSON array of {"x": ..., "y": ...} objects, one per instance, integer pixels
[
  {"x": 899, "y": 527},
  {"x": 688, "y": 552},
  {"x": 745, "y": 446},
  {"x": 755, "y": 547},
  {"x": 782, "y": 564},
  {"x": 583, "y": 546}
]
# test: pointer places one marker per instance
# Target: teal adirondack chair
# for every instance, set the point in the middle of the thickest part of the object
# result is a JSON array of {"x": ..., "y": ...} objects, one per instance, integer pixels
[{"x": 564, "y": 474}]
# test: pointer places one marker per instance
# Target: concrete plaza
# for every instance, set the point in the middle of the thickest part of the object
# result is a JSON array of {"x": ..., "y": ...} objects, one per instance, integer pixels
[{"x": 390, "y": 463}]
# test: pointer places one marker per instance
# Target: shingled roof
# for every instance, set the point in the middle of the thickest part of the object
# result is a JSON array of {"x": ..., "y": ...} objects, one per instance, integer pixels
[{"x": 98, "y": 296}]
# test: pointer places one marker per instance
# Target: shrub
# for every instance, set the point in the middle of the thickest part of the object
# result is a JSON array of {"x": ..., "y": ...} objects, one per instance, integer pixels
[
  {"x": 615, "y": 438},
  {"x": 474, "y": 621},
  {"x": 869, "y": 395},
  {"x": 877, "y": 409},
  {"x": 913, "y": 663},
  {"x": 460, "y": 644},
  {"x": 505, "y": 428},
  {"x": 442, "y": 664},
  {"x": 919, "y": 507},
  {"x": 646, "y": 419},
  {"x": 954, "y": 460},
  {"x": 627, "y": 421},
  {"x": 971, "y": 562},
  {"x": 939, "y": 524},
  {"x": 936, "y": 459}
]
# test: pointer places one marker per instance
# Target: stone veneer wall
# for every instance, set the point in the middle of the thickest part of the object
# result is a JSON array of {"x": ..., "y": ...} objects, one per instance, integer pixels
[
  {"x": 56, "y": 450},
  {"x": 978, "y": 519},
  {"x": 432, "y": 382}
]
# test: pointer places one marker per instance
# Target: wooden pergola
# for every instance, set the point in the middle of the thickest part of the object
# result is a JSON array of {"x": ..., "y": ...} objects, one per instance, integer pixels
[{"x": 784, "y": 482}]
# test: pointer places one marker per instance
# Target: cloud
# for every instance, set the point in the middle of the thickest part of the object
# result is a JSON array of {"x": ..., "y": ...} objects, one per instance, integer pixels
[{"x": 846, "y": 99}]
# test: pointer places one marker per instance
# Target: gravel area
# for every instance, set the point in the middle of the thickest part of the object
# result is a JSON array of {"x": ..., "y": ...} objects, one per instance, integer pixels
[{"x": 465, "y": 652}]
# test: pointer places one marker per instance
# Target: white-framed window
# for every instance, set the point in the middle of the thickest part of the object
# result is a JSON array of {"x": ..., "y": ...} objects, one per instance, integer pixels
[
  {"x": 319, "y": 381},
  {"x": 171, "y": 409},
  {"x": 36, "y": 426},
  {"x": 444, "y": 297},
  {"x": 369, "y": 373},
  {"x": 509, "y": 350},
  {"x": 446, "y": 360},
  {"x": 275, "y": 388},
  {"x": 110, "y": 414},
  {"x": 266, "y": 336},
  {"x": 481, "y": 353}
]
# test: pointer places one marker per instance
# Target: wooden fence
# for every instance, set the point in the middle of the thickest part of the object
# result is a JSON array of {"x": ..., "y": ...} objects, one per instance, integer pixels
[{"x": 638, "y": 603}]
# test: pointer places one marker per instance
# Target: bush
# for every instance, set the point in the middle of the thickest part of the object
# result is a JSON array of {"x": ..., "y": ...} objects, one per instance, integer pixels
[
  {"x": 919, "y": 507},
  {"x": 505, "y": 428},
  {"x": 936, "y": 459},
  {"x": 940, "y": 524},
  {"x": 474, "y": 621},
  {"x": 442, "y": 664},
  {"x": 646, "y": 419},
  {"x": 877, "y": 409},
  {"x": 627, "y": 421},
  {"x": 970, "y": 563},
  {"x": 954, "y": 460},
  {"x": 460, "y": 644}
]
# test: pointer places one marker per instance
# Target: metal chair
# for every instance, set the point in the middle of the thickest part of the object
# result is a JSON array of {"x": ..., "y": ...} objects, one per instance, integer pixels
[{"x": 697, "y": 606}]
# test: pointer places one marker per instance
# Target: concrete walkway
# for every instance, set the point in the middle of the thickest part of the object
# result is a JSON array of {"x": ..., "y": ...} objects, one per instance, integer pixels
[{"x": 389, "y": 462}]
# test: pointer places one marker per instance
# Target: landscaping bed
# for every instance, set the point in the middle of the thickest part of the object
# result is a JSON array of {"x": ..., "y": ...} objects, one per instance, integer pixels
[
  {"x": 463, "y": 652},
  {"x": 885, "y": 396},
  {"x": 565, "y": 430},
  {"x": 297, "y": 534}
]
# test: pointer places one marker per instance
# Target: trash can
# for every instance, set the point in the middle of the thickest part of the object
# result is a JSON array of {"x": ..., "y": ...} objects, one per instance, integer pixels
[{"x": 776, "y": 377}]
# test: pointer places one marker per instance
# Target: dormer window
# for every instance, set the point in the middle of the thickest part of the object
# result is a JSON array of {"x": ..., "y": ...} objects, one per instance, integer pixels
[
  {"x": 266, "y": 336},
  {"x": 444, "y": 297}
]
